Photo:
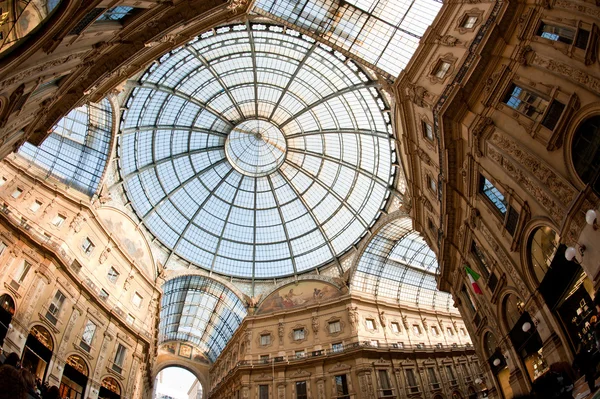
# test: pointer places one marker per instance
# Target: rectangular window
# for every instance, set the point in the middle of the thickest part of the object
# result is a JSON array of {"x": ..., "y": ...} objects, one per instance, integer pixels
[
  {"x": 395, "y": 327},
  {"x": 137, "y": 300},
  {"x": 374, "y": 343},
  {"x": 441, "y": 69},
  {"x": 370, "y": 324},
  {"x": 103, "y": 294},
  {"x": 469, "y": 22},
  {"x": 468, "y": 301},
  {"x": 553, "y": 115},
  {"x": 263, "y": 392},
  {"x": 130, "y": 319},
  {"x": 115, "y": 13},
  {"x": 298, "y": 334},
  {"x": 416, "y": 329},
  {"x": 35, "y": 206},
  {"x": 301, "y": 390},
  {"x": 55, "y": 306},
  {"x": 450, "y": 374},
  {"x": 427, "y": 130},
  {"x": 492, "y": 194},
  {"x": 119, "y": 358},
  {"x": 583, "y": 37},
  {"x": 463, "y": 332},
  {"x": 17, "y": 193},
  {"x": 512, "y": 220},
  {"x": 58, "y": 220},
  {"x": 113, "y": 275},
  {"x": 556, "y": 33},
  {"x": 465, "y": 371},
  {"x": 481, "y": 260},
  {"x": 264, "y": 358},
  {"x": 299, "y": 354},
  {"x": 21, "y": 273},
  {"x": 265, "y": 339},
  {"x": 450, "y": 331},
  {"x": 87, "y": 336},
  {"x": 335, "y": 327},
  {"x": 433, "y": 378},
  {"x": 526, "y": 102},
  {"x": 87, "y": 246},
  {"x": 432, "y": 184},
  {"x": 3, "y": 181},
  {"x": 341, "y": 387},
  {"x": 337, "y": 347},
  {"x": 384, "y": 383},
  {"x": 411, "y": 381},
  {"x": 435, "y": 331},
  {"x": 2, "y": 247}
]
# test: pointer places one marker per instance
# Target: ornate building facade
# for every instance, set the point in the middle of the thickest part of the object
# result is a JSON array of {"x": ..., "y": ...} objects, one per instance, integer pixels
[{"x": 282, "y": 197}]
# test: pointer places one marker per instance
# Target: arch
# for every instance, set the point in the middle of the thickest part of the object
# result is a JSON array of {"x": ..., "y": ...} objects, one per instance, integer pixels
[
  {"x": 457, "y": 395},
  {"x": 512, "y": 308},
  {"x": 542, "y": 243},
  {"x": 529, "y": 274},
  {"x": 79, "y": 364},
  {"x": 583, "y": 114},
  {"x": 111, "y": 384},
  {"x": 489, "y": 343},
  {"x": 204, "y": 381},
  {"x": 398, "y": 264},
  {"x": 585, "y": 149},
  {"x": 8, "y": 303},
  {"x": 43, "y": 335},
  {"x": 189, "y": 313}
]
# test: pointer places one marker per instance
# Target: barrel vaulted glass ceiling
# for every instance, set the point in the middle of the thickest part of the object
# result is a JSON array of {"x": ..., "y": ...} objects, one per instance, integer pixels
[
  {"x": 255, "y": 152},
  {"x": 78, "y": 147},
  {"x": 398, "y": 264},
  {"x": 199, "y": 310},
  {"x": 383, "y": 33}
]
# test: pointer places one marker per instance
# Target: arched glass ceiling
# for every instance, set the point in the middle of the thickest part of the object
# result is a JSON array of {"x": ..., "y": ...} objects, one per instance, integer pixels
[
  {"x": 254, "y": 152},
  {"x": 398, "y": 264},
  {"x": 78, "y": 147},
  {"x": 383, "y": 33},
  {"x": 201, "y": 311}
]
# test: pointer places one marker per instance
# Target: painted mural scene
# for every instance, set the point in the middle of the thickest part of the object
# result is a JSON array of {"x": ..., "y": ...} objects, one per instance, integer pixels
[{"x": 299, "y": 199}]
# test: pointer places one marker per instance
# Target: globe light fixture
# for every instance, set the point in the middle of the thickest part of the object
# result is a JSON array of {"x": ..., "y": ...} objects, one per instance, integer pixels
[
  {"x": 591, "y": 218},
  {"x": 497, "y": 362},
  {"x": 526, "y": 326},
  {"x": 570, "y": 253}
]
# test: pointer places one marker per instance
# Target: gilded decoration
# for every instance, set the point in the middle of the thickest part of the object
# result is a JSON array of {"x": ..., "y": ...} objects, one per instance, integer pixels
[
  {"x": 112, "y": 385},
  {"x": 42, "y": 335},
  {"x": 78, "y": 364}
]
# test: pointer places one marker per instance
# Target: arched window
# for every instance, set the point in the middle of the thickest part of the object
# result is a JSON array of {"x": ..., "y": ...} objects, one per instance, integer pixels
[
  {"x": 512, "y": 310},
  {"x": 489, "y": 344},
  {"x": 541, "y": 249},
  {"x": 586, "y": 149}
]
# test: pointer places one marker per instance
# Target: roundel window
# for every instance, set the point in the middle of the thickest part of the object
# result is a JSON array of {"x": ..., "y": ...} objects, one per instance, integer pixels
[
  {"x": 541, "y": 249},
  {"x": 586, "y": 149}
]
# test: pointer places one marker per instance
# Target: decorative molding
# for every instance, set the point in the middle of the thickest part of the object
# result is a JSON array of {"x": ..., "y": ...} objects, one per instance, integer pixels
[
  {"x": 331, "y": 320},
  {"x": 576, "y": 75}
]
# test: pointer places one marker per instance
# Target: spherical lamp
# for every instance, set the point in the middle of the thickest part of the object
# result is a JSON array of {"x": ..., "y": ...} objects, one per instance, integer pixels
[
  {"x": 526, "y": 326},
  {"x": 570, "y": 253},
  {"x": 590, "y": 218},
  {"x": 497, "y": 362},
  {"x": 478, "y": 381}
]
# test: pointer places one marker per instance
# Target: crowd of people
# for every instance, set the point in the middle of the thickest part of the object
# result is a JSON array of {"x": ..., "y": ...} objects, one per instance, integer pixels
[{"x": 18, "y": 382}]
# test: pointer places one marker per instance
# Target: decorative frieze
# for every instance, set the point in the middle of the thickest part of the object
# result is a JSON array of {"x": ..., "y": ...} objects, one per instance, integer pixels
[{"x": 578, "y": 76}]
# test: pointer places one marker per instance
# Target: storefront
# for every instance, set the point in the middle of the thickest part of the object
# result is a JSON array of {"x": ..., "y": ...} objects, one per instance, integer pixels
[
  {"x": 110, "y": 389},
  {"x": 74, "y": 379},
  {"x": 38, "y": 351},
  {"x": 7, "y": 311}
]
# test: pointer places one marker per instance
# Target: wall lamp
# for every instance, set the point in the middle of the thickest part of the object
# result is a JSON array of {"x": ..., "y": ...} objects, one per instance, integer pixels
[
  {"x": 591, "y": 218},
  {"x": 571, "y": 252}
]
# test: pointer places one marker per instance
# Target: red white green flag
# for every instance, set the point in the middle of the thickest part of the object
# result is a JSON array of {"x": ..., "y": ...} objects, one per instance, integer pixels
[{"x": 473, "y": 277}]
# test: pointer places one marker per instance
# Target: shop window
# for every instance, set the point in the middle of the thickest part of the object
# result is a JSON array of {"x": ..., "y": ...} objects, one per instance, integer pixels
[
  {"x": 87, "y": 336},
  {"x": 119, "y": 359},
  {"x": 301, "y": 392},
  {"x": 17, "y": 193},
  {"x": 58, "y": 220},
  {"x": 299, "y": 334},
  {"x": 265, "y": 339},
  {"x": 385, "y": 384},
  {"x": 35, "y": 206},
  {"x": 542, "y": 247},
  {"x": 427, "y": 130},
  {"x": 585, "y": 152},
  {"x": 113, "y": 275},
  {"x": 87, "y": 246},
  {"x": 263, "y": 392},
  {"x": 137, "y": 300},
  {"x": 341, "y": 386},
  {"x": 55, "y": 306},
  {"x": 337, "y": 347},
  {"x": 411, "y": 381},
  {"x": 370, "y": 324},
  {"x": 395, "y": 327},
  {"x": 335, "y": 327}
]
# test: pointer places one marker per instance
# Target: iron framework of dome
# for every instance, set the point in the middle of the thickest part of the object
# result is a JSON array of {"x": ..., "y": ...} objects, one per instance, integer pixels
[{"x": 255, "y": 152}]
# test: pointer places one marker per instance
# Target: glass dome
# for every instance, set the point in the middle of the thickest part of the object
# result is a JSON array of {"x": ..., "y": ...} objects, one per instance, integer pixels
[{"x": 255, "y": 152}]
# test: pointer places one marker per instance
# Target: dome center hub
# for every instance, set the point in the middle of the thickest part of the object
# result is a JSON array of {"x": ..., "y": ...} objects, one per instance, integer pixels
[{"x": 255, "y": 148}]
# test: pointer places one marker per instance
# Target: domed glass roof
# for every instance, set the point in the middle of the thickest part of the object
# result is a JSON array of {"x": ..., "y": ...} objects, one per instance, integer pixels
[{"x": 255, "y": 152}]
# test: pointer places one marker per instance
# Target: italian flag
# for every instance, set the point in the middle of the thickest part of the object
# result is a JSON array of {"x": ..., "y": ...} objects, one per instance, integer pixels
[{"x": 473, "y": 277}]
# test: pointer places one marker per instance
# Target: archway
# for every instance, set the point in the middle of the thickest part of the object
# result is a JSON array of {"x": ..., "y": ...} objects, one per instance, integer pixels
[
  {"x": 110, "y": 389},
  {"x": 177, "y": 383},
  {"x": 75, "y": 378},
  {"x": 7, "y": 310},
  {"x": 38, "y": 351}
]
